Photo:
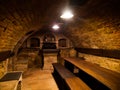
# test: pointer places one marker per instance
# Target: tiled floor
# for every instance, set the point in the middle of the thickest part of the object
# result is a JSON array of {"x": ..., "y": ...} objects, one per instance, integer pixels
[{"x": 36, "y": 79}]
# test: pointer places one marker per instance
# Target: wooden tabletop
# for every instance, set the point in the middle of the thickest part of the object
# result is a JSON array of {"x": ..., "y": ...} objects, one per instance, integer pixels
[
  {"x": 107, "y": 77},
  {"x": 76, "y": 84}
]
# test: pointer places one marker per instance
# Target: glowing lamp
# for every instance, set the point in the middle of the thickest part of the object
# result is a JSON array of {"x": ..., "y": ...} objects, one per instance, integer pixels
[
  {"x": 55, "y": 27},
  {"x": 67, "y": 14}
]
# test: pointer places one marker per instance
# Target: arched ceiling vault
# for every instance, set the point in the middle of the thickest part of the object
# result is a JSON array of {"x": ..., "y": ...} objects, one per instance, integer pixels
[{"x": 96, "y": 23}]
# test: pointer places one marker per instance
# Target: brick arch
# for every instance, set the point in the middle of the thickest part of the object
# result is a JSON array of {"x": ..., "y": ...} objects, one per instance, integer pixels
[{"x": 22, "y": 40}]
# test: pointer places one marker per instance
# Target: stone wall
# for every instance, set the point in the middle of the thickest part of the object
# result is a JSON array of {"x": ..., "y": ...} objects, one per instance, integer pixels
[
  {"x": 12, "y": 28},
  {"x": 28, "y": 58},
  {"x": 101, "y": 33},
  {"x": 49, "y": 58},
  {"x": 108, "y": 63},
  {"x": 3, "y": 67},
  {"x": 69, "y": 52},
  {"x": 96, "y": 26}
]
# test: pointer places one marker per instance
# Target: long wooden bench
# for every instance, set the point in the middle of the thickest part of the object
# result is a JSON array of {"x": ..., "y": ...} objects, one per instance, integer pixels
[
  {"x": 11, "y": 81},
  {"x": 107, "y": 77},
  {"x": 73, "y": 82}
]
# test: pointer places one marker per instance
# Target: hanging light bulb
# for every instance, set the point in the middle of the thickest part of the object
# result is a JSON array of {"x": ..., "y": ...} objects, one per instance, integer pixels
[
  {"x": 55, "y": 27},
  {"x": 67, "y": 14}
]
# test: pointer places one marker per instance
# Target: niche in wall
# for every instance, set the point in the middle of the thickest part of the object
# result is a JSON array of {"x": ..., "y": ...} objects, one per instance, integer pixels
[
  {"x": 34, "y": 42},
  {"x": 49, "y": 41},
  {"x": 49, "y": 37},
  {"x": 62, "y": 43}
]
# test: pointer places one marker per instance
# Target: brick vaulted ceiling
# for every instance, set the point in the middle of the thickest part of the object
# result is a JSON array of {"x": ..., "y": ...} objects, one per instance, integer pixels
[{"x": 96, "y": 23}]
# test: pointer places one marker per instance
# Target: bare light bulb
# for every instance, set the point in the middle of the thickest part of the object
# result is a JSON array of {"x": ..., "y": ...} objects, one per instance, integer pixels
[
  {"x": 55, "y": 27},
  {"x": 67, "y": 14}
]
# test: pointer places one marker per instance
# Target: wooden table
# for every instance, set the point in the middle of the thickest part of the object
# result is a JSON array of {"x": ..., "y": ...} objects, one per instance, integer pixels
[
  {"x": 107, "y": 77},
  {"x": 11, "y": 81}
]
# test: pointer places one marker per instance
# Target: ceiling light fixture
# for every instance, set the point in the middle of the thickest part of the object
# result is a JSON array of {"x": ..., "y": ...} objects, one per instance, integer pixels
[
  {"x": 55, "y": 27},
  {"x": 67, "y": 14}
]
